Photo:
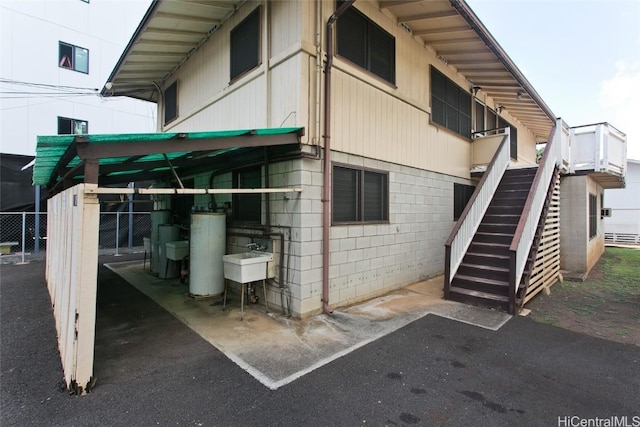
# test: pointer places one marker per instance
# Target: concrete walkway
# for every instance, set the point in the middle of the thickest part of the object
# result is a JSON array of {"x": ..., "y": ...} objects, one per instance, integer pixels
[{"x": 297, "y": 347}]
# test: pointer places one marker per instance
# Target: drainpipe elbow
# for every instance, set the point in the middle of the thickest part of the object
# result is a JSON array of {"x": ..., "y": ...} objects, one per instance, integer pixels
[{"x": 327, "y": 309}]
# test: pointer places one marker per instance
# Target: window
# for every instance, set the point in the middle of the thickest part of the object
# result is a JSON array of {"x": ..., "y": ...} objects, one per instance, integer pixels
[
  {"x": 245, "y": 45},
  {"x": 513, "y": 136},
  {"x": 73, "y": 57},
  {"x": 171, "y": 103},
  {"x": 247, "y": 207},
  {"x": 461, "y": 196},
  {"x": 364, "y": 43},
  {"x": 479, "y": 125},
  {"x": 359, "y": 195},
  {"x": 593, "y": 216},
  {"x": 450, "y": 104},
  {"x": 68, "y": 126}
]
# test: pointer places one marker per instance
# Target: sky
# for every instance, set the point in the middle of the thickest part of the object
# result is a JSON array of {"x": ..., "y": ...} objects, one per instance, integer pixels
[{"x": 581, "y": 56}]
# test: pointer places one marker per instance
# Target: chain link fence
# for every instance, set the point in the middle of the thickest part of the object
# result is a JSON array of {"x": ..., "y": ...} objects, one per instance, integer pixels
[{"x": 23, "y": 234}]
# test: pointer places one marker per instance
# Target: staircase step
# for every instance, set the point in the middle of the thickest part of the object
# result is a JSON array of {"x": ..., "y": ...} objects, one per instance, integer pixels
[
  {"x": 503, "y": 201},
  {"x": 507, "y": 209},
  {"x": 497, "y": 228},
  {"x": 489, "y": 248},
  {"x": 486, "y": 259},
  {"x": 501, "y": 238},
  {"x": 501, "y": 218},
  {"x": 479, "y": 272},
  {"x": 521, "y": 172},
  {"x": 478, "y": 298},
  {"x": 514, "y": 185}
]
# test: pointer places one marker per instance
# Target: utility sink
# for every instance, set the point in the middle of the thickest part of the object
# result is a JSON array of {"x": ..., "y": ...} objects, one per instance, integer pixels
[{"x": 246, "y": 267}]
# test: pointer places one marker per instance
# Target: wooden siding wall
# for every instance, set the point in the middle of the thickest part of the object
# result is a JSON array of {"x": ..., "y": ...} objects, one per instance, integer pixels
[
  {"x": 370, "y": 117},
  {"x": 546, "y": 267},
  {"x": 377, "y": 120},
  {"x": 267, "y": 96},
  {"x": 72, "y": 273}
]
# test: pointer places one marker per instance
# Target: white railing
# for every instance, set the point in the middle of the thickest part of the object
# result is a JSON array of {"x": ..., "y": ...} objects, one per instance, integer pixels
[
  {"x": 526, "y": 229},
  {"x": 464, "y": 230},
  {"x": 563, "y": 146},
  {"x": 598, "y": 147}
]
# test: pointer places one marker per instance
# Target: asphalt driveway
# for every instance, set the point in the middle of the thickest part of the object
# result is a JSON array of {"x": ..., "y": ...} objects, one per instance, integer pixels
[{"x": 154, "y": 370}]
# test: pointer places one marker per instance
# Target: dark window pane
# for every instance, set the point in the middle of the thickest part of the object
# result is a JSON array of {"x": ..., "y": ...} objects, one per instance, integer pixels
[
  {"x": 247, "y": 207},
  {"x": 345, "y": 194},
  {"x": 513, "y": 136},
  {"x": 375, "y": 196},
  {"x": 171, "y": 102},
  {"x": 366, "y": 44},
  {"x": 438, "y": 84},
  {"x": 461, "y": 196},
  {"x": 64, "y": 126},
  {"x": 351, "y": 34},
  {"x": 479, "y": 119},
  {"x": 65, "y": 56},
  {"x": 593, "y": 215},
  {"x": 491, "y": 119},
  {"x": 245, "y": 45},
  {"x": 450, "y": 105},
  {"x": 382, "y": 53}
]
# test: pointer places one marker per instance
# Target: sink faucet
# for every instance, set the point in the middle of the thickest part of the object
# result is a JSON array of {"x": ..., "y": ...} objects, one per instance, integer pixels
[{"x": 256, "y": 247}]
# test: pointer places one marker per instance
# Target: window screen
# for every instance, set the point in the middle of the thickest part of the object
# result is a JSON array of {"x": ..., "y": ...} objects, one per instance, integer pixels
[
  {"x": 363, "y": 42},
  {"x": 593, "y": 215},
  {"x": 245, "y": 45},
  {"x": 513, "y": 136},
  {"x": 171, "y": 102},
  {"x": 359, "y": 195},
  {"x": 461, "y": 196},
  {"x": 450, "y": 104},
  {"x": 247, "y": 207}
]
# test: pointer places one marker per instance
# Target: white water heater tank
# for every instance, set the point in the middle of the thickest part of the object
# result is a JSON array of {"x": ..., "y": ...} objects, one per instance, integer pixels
[{"x": 206, "y": 249}]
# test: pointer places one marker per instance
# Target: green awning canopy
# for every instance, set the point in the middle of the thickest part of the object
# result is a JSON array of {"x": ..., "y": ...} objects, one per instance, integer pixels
[{"x": 117, "y": 158}]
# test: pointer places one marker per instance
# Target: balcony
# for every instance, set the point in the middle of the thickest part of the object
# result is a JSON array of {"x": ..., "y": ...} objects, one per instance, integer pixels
[{"x": 599, "y": 150}]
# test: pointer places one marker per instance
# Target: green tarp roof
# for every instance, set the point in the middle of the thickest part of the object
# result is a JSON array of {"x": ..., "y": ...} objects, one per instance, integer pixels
[{"x": 50, "y": 150}]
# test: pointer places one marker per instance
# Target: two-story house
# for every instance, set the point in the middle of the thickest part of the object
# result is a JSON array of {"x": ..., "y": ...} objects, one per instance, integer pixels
[{"x": 367, "y": 144}]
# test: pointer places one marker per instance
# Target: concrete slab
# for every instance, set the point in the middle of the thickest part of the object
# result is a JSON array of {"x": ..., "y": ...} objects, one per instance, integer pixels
[{"x": 277, "y": 350}]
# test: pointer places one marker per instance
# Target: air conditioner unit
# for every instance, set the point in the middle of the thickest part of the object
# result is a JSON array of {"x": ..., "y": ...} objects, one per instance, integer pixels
[{"x": 605, "y": 212}]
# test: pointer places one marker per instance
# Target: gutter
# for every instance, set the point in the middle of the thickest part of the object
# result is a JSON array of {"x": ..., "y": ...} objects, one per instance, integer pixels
[
  {"x": 326, "y": 179},
  {"x": 142, "y": 26},
  {"x": 472, "y": 19}
]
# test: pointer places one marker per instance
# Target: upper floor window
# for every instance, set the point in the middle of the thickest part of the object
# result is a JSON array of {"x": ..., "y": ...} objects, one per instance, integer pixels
[
  {"x": 67, "y": 126},
  {"x": 363, "y": 42},
  {"x": 513, "y": 136},
  {"x": 245, "y": 45},
  {"x": 359, "y": 195},
  {"x": 450, "y": 104},
  {"x": 73, "y": 57},
  {"x": 171, "y": 102}
]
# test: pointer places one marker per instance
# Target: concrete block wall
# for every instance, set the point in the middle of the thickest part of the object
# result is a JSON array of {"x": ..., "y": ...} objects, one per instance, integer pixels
[
  {"x": 369, "y": 259},
  {"x": 578, "y": 252},
  {"x": 366, "y": 260},
  {"x": 574, "y": 205}
]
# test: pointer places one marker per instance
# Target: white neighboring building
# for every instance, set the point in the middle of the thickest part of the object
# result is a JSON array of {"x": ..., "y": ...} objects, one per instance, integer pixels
[
  {"x": 624, "y": 224},
  {"x": 53, "y": 55}
]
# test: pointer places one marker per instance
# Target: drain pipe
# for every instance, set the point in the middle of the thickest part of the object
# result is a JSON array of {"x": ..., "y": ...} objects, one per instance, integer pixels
[{"x": 326, "y": 180}]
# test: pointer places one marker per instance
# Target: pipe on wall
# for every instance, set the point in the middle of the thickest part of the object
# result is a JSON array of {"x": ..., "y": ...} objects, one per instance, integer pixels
[{"x": 326, "y": 179}]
